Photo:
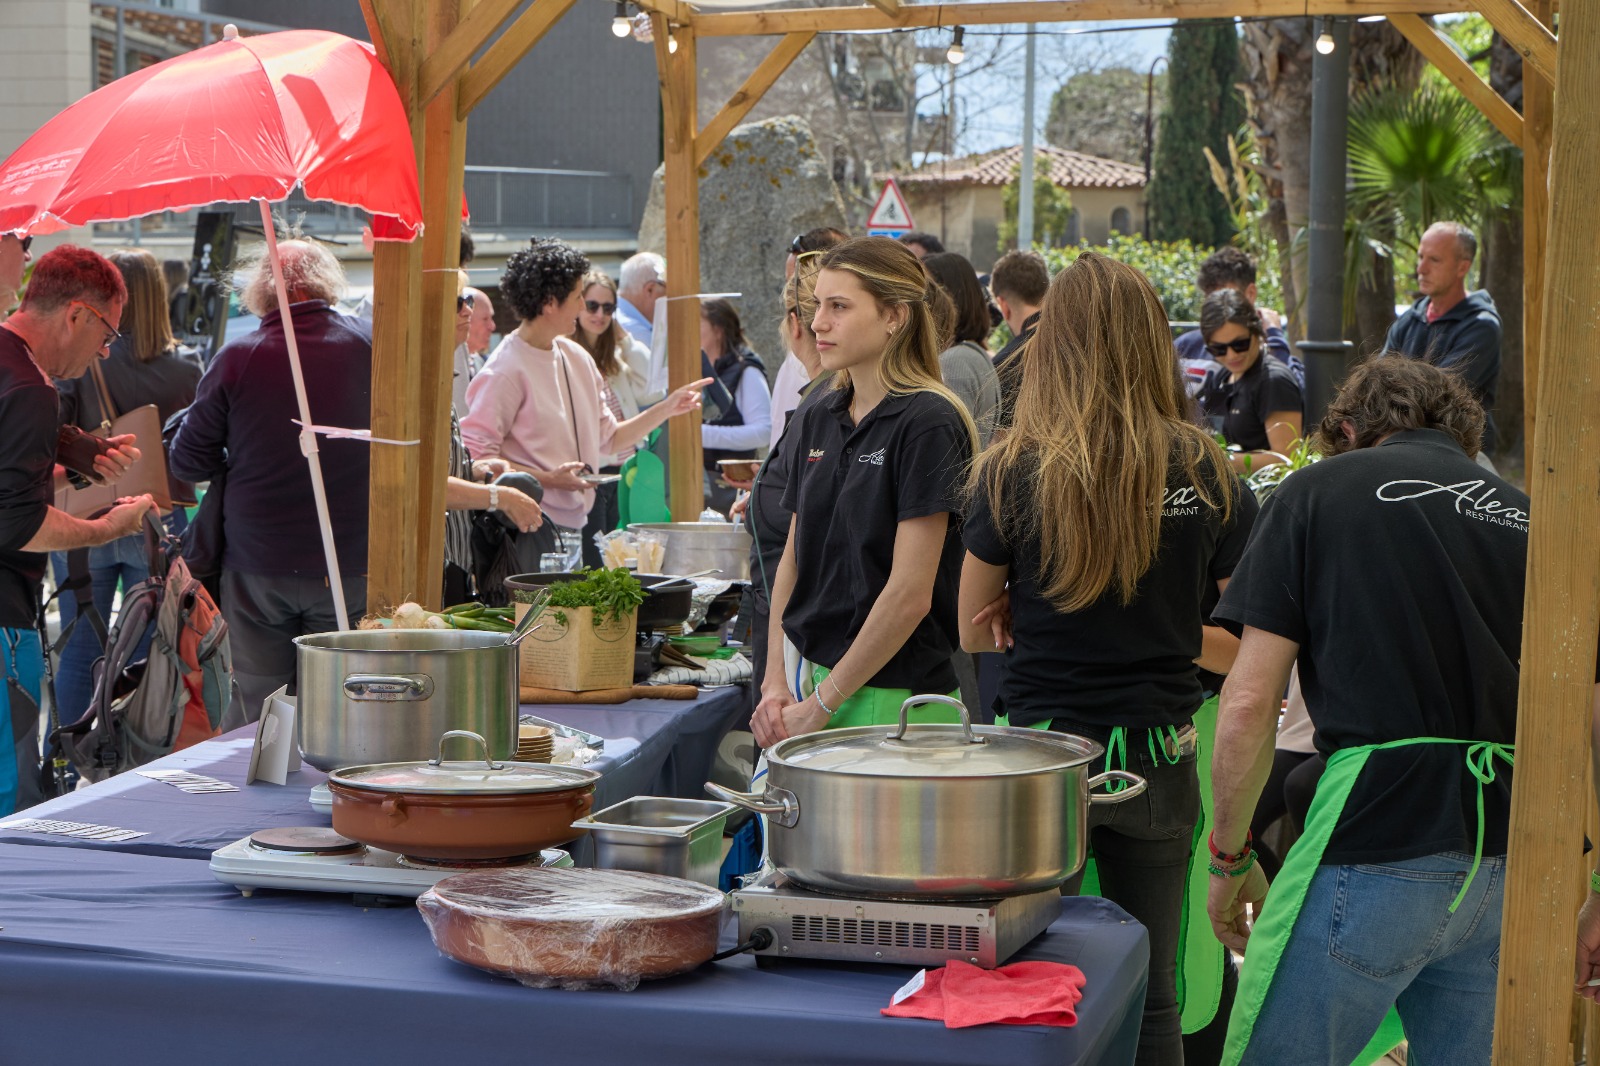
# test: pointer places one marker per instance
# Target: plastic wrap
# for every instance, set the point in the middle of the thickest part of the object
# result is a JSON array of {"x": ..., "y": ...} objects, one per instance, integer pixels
[{"x": 574, "y": 928}]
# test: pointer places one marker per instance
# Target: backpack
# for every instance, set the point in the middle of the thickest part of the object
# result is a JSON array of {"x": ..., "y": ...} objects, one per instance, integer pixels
[{"x": 173, "y": 698}]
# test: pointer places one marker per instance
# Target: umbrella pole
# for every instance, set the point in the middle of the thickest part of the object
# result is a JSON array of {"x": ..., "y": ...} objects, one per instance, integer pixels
[{"x": 308, "y": 438}]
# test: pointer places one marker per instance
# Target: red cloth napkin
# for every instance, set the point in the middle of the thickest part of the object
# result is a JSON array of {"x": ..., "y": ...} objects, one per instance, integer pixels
[{"x": 1018, "y": 993}]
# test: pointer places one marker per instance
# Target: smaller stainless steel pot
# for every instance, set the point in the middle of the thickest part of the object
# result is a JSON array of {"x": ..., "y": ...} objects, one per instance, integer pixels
[{"x": 930, "y": 811}]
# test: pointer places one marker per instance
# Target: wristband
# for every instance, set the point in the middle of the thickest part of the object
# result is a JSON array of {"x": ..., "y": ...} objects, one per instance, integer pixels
[
  {"x": 494, "y": 497},
  {"x": 1594, "y": 880},
  {"x": 1239, "y": 869},
  {"x": 1224, "y": 857}
]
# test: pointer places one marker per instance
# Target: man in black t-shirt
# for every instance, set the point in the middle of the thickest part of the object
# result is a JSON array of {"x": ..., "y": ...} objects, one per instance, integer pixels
[
  {"x": 68, "y": 318},
  {"x": 1018, "y": 285},
  {"x": 1393, "y": 572}
]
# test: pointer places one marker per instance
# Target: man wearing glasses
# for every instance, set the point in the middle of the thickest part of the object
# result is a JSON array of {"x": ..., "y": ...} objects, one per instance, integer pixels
[{"x": 68, "y": 319}]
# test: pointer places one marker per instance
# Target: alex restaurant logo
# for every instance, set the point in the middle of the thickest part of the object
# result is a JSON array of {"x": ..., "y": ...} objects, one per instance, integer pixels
[
  {"x": 816, "y": 454},
  {"x": 1473, "y": 499}
]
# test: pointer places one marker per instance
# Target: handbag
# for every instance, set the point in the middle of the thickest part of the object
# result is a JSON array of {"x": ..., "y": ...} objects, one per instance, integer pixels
[{"x": 148, "y": 475}]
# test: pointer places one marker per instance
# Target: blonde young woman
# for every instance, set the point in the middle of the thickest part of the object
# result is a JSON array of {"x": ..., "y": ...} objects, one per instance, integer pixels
[
  {"x": 866, "y": 587},
  {"x": 1094, "y": 526}
]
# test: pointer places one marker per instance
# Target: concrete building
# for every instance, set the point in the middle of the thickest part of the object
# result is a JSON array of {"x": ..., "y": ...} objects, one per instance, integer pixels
[{"x": 960, "y": 200}]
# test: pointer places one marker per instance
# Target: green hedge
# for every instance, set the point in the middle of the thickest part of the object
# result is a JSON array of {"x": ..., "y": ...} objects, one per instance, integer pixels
[{"x": 1171, "y": 268}]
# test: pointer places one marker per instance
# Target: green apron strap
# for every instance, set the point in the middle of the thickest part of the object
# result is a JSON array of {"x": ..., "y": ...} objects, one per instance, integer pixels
[
  {"x": 881, "y": 706},
  {"x": 1271, "y": 934},
  {"x": 1200, "y": 953}
]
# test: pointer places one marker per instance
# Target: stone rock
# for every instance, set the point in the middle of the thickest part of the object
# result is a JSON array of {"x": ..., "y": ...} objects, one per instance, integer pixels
[{"x": 763, "y": 185}]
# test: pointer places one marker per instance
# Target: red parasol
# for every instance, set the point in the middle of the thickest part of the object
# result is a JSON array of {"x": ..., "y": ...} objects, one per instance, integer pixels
[{"x": 242, "y": 119}]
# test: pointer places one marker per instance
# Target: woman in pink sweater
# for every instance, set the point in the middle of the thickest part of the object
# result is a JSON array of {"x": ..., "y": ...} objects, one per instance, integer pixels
[{"x": 537, "y": 402}]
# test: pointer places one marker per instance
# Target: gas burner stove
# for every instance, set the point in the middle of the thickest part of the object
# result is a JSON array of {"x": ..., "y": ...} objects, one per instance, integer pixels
[
  {"x": 804, "y": 924},
  {"x": 315, "y": 859}
]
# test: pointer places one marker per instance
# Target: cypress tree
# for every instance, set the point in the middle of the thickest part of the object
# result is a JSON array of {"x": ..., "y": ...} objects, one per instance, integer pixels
[{"x": 1203, "y": 110}]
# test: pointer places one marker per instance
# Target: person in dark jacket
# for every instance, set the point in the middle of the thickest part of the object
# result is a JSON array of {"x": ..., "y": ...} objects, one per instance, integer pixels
[
  {"x": 1450, "y": 327},
  {"x": 146, "y": 366},
  {"x": 745, "y": 422},
  {"x": 242, "y": 423}
]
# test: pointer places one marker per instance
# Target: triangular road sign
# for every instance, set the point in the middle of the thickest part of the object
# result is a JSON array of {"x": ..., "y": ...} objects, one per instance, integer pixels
[{"x": 890, "y": 212}]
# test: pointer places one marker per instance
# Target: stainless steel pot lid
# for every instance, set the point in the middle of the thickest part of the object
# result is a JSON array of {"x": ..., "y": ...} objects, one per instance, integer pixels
[
  {"x": 935, "y": 750},
  {"x": 483, "y": 778}
]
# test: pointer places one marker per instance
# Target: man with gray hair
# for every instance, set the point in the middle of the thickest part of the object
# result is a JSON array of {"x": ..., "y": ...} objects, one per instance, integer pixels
[
  {"x": 241, "y": 425},
  {"x": 642, "y": 281},
  {"x": 1448, "y": 326}
]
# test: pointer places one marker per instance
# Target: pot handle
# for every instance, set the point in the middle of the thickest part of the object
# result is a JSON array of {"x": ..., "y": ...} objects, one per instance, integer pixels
[
  {"x": 778, "y": 804},
  {"x": 1135, "y": 783},
  {"x": 466, "y": 734},
  {"x": 388, "y": 686},
  {"x": 948, "y": 701}
]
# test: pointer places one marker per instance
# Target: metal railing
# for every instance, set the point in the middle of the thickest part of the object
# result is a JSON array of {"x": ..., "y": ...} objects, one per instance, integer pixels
[{"x": 503, "y": 200}]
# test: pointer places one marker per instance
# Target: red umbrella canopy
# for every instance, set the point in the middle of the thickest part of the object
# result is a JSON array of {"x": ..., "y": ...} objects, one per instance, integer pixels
[{"x": 242, "y": 119}]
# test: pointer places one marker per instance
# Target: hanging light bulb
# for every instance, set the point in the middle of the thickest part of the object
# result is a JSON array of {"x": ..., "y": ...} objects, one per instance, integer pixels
[
  {"x": 620, "y": 26},
  {"x": 958, "y": 51},
  {"x": 1325, "y": 43},
  {"x": 672, "y": 43}
]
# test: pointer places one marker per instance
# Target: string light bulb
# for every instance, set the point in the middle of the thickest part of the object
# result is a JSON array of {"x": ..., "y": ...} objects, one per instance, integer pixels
[
  {"x": 958, "y": 51},
  {"x": 1325, "y": 43},
  {"x": 620, "y": 26},
  {"x": 672, "y": 43}
]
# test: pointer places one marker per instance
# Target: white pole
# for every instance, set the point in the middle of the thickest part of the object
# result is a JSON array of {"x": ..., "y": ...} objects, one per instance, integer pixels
[
  {"x": 308, "y": 439},
  {"x": 1025, "y": 179}
]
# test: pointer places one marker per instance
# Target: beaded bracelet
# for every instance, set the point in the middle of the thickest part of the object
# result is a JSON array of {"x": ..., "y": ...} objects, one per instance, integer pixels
[
  {"x": 1224, "y": 857},
  {"x": 1243, "y": 867},
  {"x": 817, "y": 695}
]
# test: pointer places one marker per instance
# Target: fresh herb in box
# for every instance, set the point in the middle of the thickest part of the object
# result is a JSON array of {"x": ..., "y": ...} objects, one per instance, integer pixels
[{"x": 586, "y": 634}]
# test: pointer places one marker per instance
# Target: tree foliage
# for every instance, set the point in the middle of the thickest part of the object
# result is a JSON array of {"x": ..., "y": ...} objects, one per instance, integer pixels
[
  {"x": 1203, "y": 111},
  {"x": 1171, "y": 266},
  {"x": 1101, "y": 113},
  {"x": 1052, "y": 208}
]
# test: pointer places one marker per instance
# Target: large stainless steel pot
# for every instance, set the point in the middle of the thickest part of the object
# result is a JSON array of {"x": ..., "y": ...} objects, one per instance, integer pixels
[
  {"x": 930, "y": 811},
  {"x": 693, "y": 547},
  {"x": 387, "y": 695}
]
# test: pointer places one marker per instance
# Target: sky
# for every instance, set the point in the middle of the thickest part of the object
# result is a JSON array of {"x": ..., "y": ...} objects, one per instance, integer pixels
[{"x": 989, "y": 84}]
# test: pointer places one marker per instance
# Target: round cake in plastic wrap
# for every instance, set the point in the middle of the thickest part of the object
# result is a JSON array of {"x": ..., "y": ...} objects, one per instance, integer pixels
[{"x": 574, "y": 928}]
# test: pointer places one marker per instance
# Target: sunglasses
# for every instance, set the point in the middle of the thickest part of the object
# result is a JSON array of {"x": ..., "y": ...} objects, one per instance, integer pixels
[
  {"x": 464, "y": 301},
  {"x": 112, "y": 333},
  {"x": 1238, "y": 344},
  {"x": 26, "y": 242},
  {"x": 599, "y": 307}
]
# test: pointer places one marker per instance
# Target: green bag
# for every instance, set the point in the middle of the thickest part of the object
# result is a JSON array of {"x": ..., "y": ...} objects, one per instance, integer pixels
[{"x": 642, "y": 492}]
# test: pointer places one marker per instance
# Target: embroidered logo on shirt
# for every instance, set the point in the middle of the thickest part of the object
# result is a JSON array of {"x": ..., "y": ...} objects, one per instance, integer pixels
[
  {"x": 816, "y": 453},
  {"x": 1181, "y": 501},
  {"x": 875, "y": 458},
  {"x": 1473, "y": 499}
]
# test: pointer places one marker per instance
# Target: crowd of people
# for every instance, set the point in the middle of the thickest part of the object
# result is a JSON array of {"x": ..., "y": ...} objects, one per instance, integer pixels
[{"x": 1060, "y": 519}]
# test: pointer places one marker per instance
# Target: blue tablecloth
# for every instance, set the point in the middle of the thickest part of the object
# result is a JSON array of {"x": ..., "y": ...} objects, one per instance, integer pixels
[
  {"x": 653, "y": 748},
  {"x": 114, "y": 957}
]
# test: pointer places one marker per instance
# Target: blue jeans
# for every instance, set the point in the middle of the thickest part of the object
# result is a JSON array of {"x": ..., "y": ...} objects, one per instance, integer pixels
[
  {"x": 1371, "y": 937},
  {"x": 121, "y": 563}
]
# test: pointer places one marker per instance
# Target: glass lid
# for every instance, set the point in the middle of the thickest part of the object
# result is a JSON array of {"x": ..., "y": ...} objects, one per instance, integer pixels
[{"x": 464, "y": 778}]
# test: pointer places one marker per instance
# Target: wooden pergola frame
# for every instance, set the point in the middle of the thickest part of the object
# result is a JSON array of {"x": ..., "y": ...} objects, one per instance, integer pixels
[{"x": 445, "y": 57}]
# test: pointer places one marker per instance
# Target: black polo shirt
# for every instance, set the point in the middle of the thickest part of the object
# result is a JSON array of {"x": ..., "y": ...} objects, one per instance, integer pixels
[
  {"x": 1111, "y": 664},
  {"x": 1244, "y": 405},
  {"x": 849, "y": 487},
  {"x": 29, "y": 423},
  {"x": 1399, "y": 571}
]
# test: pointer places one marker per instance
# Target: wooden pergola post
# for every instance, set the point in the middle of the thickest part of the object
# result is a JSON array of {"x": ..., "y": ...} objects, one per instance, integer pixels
[
  {"x": 1551, "y": 797},
  {"x": 679, "y": 101},
  {"x": 1538, "y": 105}
]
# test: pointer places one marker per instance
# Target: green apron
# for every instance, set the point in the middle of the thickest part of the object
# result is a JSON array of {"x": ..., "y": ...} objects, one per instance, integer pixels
[
  {"x": 1200, "y": 953},
  {"x": 1271, "y": 933},
  {"x": 880, "y": 706}
]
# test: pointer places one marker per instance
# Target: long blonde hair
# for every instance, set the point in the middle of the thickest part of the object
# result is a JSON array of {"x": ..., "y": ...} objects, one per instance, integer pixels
[
  {"x": 894, "y": 277},
  {"x": 607, "y": 348},
  {"x": 1100, "y": 417},
  {"x": 146, "y": 318}
]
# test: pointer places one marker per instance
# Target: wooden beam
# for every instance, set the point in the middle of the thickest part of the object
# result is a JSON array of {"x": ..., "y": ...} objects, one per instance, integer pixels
[
  {"x": 481, "y": 78},
  {"x": 388, "y": 24},
  {"x": 1523, "y": 31},
  {"x": 845, "y": 19},
  {"x": 1538, "y": 105},
  {"x": 686, "y": 490},
  {"x": 1561, "y": 611},
  {"x": 457, "y": 50},
  {"x": 888, "y": 7},
  {"x": 1448, "y": 62},
  {"x": 672, "y": 9},
  {"x": 755, "y": 86}
]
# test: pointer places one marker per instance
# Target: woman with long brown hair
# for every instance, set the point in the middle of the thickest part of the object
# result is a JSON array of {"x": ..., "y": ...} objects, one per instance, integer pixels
[
  {"x": 866, "y": 587},
  {"x": 1094, "y": 526}
]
